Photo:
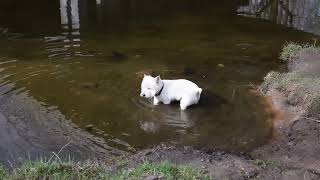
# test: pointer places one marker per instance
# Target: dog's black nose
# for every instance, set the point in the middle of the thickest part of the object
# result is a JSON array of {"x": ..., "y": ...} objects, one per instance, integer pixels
[{"x": 143, "y": 95}]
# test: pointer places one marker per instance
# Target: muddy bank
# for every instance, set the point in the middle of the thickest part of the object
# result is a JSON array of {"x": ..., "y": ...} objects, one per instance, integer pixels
[
  {"x": 216, "y": 164},
  {"x": 293, "y": 153},
  {"x": 297, "y": 94}
]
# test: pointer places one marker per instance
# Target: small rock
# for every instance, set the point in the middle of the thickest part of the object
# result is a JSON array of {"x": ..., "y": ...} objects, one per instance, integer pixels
[
  {"x": 188, "y": 71},
  {"x": 205, "y": 172},
  {"x": 119, "y": 55},
  {"x": 88, "y": 127},
  {"x": 151, "y": 178},
  {"x": 89, "y": 85},
  {"x": 209, "y": 160},
  {"x": 184, "y": 152},
  {"x": 202, "y": 160},
  {"x": 147, "y": 153},
  {"x": 138, "y": 56},
  {"x": 221, "y": 65},
  {"x": 290, "y": 144},
  {"x": 99, "y": 132}
]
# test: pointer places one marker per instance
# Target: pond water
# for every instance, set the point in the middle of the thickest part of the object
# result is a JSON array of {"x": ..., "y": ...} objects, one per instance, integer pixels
[{"x": 86, "y": 59}]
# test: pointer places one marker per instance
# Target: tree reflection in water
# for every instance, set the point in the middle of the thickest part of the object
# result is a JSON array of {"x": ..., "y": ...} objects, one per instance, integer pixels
[{"x": 300, "y": 14}]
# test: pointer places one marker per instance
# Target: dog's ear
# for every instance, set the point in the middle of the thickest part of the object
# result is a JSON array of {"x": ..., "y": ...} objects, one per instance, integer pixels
[{"x": 157, "y": 79}]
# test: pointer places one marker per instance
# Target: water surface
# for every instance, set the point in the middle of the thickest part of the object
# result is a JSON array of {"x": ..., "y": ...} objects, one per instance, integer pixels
[{"x": 86, "y": 59}]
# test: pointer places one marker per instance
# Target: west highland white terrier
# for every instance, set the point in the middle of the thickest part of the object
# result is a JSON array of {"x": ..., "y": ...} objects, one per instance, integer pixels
[{"x": 166, "y": 91}]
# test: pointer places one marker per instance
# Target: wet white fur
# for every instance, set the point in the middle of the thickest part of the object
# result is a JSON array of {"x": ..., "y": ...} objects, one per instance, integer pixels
[{"x": 182, "y": 90}]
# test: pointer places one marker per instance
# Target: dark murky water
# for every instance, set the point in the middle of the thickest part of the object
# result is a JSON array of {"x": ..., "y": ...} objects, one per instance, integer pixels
[{"x": 86, "y": 59}]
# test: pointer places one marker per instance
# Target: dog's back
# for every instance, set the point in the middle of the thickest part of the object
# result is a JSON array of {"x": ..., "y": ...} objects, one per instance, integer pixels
[{"x": 182, "y": 87}]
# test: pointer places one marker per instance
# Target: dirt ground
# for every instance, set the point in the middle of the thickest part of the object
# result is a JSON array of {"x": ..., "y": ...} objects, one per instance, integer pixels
[{"x": 292, "y": 154}]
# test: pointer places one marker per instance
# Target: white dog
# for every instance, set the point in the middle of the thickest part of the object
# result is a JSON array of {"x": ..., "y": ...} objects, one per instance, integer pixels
[{"x": 166, "y": 91}]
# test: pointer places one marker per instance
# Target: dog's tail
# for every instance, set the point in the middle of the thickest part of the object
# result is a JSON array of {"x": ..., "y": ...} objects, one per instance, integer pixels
[{"x": 199, "y": 92}]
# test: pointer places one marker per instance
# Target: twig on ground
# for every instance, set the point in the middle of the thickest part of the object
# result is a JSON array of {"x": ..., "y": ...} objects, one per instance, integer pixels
[
  {"x": 63, "y": 147},
  {"x": 306, "y": 118},
  {"x": 10, "y": 163},
  {"x": 57, "y": 154},
  {"x": 311, "y": 119},
  {"x": 250, "y": 85}
]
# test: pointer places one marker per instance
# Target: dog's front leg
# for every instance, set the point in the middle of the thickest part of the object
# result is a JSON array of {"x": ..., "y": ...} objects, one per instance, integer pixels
[{"x": 156, "y": 101}]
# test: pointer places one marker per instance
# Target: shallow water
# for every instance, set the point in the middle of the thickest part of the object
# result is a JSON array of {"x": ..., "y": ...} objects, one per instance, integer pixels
[{"x": 86, "y": 60}]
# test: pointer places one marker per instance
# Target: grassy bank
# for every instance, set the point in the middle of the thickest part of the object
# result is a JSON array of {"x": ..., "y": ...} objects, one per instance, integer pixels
[
  {"x": 292, "y": 49},
  {"x": 301, "y": 84},
  {"x": 32, "y": 170}
]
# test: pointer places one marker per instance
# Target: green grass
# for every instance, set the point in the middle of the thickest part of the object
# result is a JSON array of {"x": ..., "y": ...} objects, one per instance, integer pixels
[
  {"x": 41, "y": 169},
  {"x": 34, "y": 170},
  {"x": 291, "y": 50},
  {"x": 3, "y": 172},
  {"x": 164, "y": 169}
]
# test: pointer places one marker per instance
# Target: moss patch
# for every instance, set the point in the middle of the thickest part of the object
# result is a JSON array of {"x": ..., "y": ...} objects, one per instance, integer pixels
[{"x": 265, "y": 163}]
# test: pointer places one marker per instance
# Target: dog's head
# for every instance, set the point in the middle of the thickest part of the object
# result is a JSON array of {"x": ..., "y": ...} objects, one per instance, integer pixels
[{"x": 150, "y": 86}]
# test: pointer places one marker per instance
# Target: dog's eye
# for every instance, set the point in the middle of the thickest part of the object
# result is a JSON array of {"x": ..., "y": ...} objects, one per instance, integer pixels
[{"x": 148, "y": 88}]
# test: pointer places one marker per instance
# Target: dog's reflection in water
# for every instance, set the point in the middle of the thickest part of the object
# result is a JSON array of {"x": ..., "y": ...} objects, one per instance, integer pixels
[
  {"x": 149, "y": 127},
  {"x": 167, "y": 117},
  {"x": 157, "y": 117}
]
